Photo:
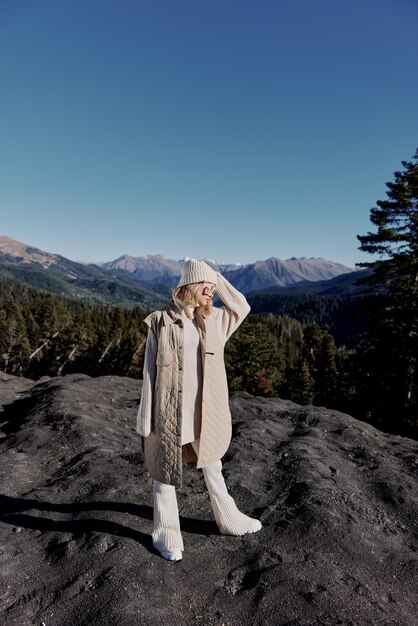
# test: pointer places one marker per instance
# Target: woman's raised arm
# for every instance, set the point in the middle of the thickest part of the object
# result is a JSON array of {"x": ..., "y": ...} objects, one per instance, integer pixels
[{"x": 236, "y": 308}]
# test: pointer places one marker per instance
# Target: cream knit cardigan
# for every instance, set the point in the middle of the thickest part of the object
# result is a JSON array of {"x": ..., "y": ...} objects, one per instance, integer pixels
[{"x": 227, "y": 320}]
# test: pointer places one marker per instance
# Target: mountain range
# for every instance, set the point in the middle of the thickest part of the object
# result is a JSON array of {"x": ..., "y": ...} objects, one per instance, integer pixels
[
  {"x": 248, "y": 277},
  {"x": 85, "y": 282},
  {"x": 147, "y": 280}
]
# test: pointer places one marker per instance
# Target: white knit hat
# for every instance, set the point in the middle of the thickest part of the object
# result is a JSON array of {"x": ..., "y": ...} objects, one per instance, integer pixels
[{"x": 196, "y": 270}]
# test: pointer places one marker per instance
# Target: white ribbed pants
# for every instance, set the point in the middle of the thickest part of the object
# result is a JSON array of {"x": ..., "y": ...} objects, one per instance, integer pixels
[{"x": 166, "y": 523}]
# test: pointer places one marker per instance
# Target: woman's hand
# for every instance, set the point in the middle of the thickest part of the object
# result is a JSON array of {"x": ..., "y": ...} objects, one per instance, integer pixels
[{"x": 209, "y": 290}]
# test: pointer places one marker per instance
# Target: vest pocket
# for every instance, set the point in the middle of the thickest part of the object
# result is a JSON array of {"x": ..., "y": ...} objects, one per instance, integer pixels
[{"x": 164, "y": 357}]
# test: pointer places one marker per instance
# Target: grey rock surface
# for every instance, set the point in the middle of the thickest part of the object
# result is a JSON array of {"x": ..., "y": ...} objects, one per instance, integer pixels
[{"x": 337, "y": 499}]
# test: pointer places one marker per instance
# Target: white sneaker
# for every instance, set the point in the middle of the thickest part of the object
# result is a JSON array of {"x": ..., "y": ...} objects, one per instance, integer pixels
[{"x": 172, "y": 555}]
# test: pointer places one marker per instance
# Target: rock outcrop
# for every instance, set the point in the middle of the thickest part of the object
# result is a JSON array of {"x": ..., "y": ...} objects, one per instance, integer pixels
[{"x": 337, "y": 498}]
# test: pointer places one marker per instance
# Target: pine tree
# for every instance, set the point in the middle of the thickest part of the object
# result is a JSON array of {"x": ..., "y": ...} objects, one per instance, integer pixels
[
  {"x": 389, "y": 348},
  {"x": 327, "y": 383},
  {"x": 3, "y": 337},
  {"x": 312, "y": 348},
  {"x": 16, "y": 344},
  {"x": 302, "y": 384},
  {"x": 252, "y": 360}
]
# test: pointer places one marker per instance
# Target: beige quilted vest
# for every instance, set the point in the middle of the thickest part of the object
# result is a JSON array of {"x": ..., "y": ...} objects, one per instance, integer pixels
[{"x": 164, "y": 454}]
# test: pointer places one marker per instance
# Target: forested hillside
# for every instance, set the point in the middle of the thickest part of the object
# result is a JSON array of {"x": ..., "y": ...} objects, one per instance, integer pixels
[
  {"x": 42, "y": 334},
  {"x": 333, "y": 304},
  {"x": 337, "y": 314},
  {"x": 93, "y": 286}
]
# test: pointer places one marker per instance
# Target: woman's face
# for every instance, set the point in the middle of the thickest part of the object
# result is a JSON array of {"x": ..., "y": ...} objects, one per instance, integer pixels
[{"x": 205, "y": 293}]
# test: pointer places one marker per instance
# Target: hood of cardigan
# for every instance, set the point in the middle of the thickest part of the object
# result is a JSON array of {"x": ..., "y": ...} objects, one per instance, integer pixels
[
  {"x": 187, "y": 311},
  {"x": 171, "y": 312}
]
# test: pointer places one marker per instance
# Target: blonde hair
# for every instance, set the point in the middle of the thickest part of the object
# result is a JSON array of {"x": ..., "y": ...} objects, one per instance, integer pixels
[{"x": 186, "y": 295}]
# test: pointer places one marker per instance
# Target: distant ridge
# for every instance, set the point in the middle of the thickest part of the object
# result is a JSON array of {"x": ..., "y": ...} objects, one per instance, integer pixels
[
  {"x": 13, "y": 251},
  {"x": 147, "y": 280},
  {"x": 82, "y": 281},
  {"x": 262, "y": 274}
]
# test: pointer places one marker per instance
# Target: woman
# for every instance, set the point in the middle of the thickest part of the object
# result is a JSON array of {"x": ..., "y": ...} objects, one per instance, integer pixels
[{"x": 184, "y": 411}]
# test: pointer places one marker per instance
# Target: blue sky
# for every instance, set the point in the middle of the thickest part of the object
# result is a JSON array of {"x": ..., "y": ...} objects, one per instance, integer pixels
[{"x": 230, "y": 130}]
